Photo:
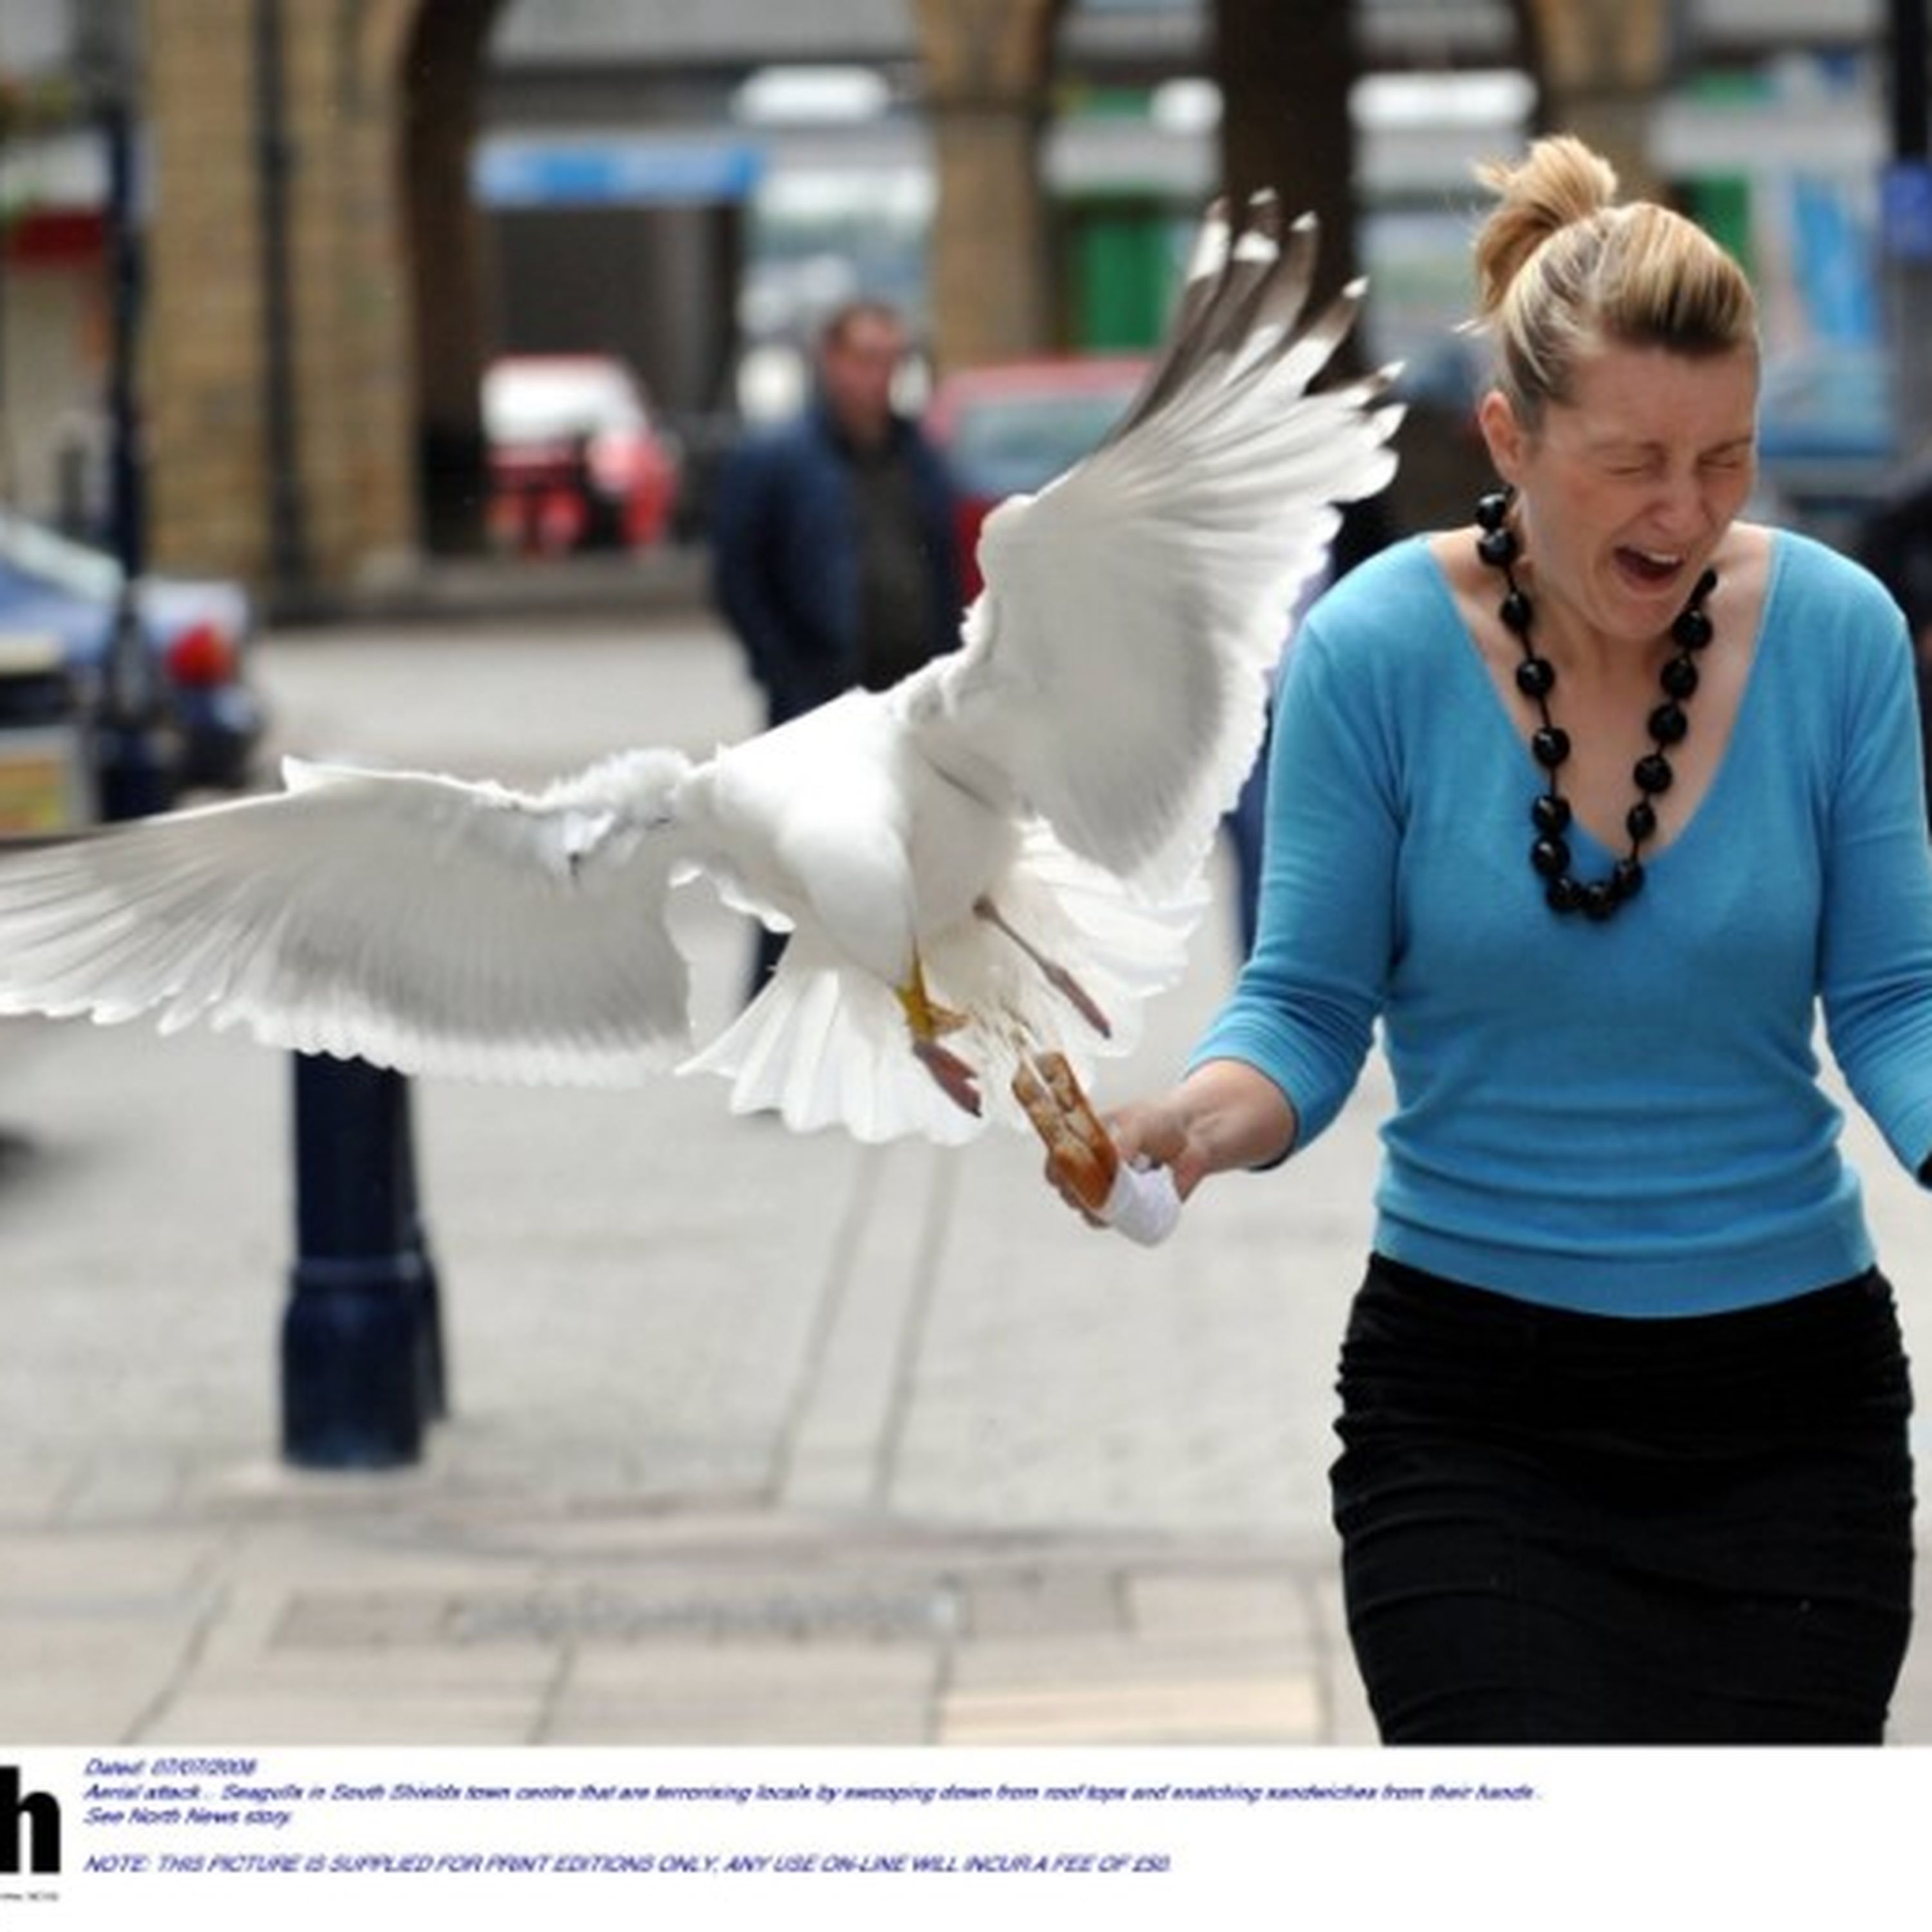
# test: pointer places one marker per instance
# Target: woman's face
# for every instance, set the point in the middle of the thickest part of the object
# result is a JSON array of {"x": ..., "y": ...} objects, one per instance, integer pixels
[{"x": 1625, "y": 492}]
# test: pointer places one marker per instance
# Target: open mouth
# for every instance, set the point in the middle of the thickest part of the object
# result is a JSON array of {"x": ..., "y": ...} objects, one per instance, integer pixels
[{"x": 1651, "y": 569}]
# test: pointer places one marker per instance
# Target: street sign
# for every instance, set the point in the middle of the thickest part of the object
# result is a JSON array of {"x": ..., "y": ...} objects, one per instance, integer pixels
[{"x": 518, "y": 171}]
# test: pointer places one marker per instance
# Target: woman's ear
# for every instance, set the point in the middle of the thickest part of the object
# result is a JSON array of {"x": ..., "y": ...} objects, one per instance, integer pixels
[{"x": 1502, "y": 434}]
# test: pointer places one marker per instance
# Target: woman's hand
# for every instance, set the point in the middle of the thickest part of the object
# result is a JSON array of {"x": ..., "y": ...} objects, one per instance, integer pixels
[{"x": 1224, "y": 1114}]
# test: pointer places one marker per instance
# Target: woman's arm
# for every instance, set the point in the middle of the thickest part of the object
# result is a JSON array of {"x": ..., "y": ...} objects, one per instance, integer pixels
[{"x": 1285, "y": 1049}]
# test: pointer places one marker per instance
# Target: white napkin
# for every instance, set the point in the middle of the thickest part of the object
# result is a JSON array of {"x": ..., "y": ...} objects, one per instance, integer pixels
[{"x": 1143, "y": 1204}]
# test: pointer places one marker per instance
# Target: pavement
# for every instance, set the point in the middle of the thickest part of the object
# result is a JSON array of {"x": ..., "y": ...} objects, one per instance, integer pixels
[{"x": 751, "y": 1437}]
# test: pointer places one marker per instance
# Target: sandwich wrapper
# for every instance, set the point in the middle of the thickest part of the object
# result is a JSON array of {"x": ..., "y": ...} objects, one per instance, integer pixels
[{"x": 1143, "y": 1204}]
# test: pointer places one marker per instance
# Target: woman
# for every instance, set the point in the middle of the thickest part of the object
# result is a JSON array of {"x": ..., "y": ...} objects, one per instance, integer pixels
[{"x": 1592, "y": 807}]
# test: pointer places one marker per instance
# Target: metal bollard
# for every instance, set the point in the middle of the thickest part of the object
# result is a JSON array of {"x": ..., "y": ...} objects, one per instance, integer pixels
[
  {"x": 363, "y": 1371},
  {"x": 136, "y": 779}
]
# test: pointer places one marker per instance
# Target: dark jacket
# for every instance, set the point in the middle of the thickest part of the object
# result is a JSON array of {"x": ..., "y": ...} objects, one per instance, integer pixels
[
  {"x": 1895, "y": 543},
  {"x": 785, "y": 557}
]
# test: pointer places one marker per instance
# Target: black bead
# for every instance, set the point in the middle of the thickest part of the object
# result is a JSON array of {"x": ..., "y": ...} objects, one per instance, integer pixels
[
  {"x": 1679, "y": 677},
  {"x": 1653, "y": 773},
  {"x": 1550, "y": 746},
  {"x": 1668, "y": 724},
  {"x": 1535, "y": 677},
  {"x": 1550, "y": 812},
  {"x": 1693, "y": 629}
]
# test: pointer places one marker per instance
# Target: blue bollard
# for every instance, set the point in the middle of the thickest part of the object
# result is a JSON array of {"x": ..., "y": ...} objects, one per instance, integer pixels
[
  {"x": 362, "y": 1358},
  {"x": 136, "y": 778}
]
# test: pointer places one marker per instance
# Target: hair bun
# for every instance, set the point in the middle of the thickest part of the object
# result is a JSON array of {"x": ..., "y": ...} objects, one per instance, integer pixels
[
  {"x": 1559, "y": 182},
  {"x": 1563, "y": 268}
]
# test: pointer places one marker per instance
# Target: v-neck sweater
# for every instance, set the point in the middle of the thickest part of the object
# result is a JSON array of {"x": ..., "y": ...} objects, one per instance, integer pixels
[{"x": 1625, "y": 1117}]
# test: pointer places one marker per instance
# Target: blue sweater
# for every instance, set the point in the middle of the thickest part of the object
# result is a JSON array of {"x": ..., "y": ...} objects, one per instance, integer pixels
[{"x": 1623, "y": 1118}]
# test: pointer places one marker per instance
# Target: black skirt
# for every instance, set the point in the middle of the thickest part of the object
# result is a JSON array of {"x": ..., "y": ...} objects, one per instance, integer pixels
[{"x": 1560, "y": 1528}]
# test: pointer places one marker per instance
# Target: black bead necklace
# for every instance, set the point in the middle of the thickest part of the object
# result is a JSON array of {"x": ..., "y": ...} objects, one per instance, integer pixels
[{"x": 1549, "y": 744}]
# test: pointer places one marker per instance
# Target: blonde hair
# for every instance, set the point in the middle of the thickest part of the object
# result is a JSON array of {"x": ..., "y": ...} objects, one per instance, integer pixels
[{"x": 1563, "y": 268}]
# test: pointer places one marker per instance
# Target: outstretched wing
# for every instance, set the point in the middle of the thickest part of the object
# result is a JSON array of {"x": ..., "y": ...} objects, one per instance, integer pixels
[
  {"x": 1114, "y": 675},
  {"x": 419, "y": 922}
]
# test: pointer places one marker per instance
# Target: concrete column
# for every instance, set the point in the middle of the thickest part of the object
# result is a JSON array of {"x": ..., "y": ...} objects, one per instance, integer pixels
[
  {"x": 1602, "y": 63},
  {"x": 205, "y": 353},
  {"x": 202, "y": 378},
  {"x": 988, "y": 63},
  {"x": 350, "y": 298}
]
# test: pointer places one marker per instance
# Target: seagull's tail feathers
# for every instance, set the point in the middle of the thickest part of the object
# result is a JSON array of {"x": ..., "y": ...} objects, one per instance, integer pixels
[{"x": 827, "y": 1045}]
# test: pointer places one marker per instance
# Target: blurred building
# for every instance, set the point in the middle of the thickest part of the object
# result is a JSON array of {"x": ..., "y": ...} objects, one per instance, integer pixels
[
  {"x": 345, "y": 205},
  {"x": 762, "y": 178},
  {"x": 762, "y": 166}
]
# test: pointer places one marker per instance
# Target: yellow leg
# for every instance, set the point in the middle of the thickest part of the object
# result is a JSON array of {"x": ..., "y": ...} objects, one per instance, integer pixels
[
  {"x": 924, "y": 1014},
  {"x": 927, "y": 1020}
]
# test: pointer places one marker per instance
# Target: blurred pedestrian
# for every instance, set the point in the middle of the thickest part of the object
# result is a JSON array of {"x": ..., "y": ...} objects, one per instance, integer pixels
[
  {"x": 835, "y": 547},
  {"x": 1895, "y": 543},
  {"x": 1590, "y": 809}
]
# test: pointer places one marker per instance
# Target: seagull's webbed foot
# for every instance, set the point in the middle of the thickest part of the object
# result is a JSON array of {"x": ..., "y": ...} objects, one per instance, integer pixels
[
  {"x": 957, "y": 1080},
  {"x": 927, "y": 1021}
]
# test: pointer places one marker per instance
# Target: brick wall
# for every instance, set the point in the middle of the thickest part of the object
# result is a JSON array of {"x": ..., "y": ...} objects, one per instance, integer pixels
[{"x": 212, "y": 490}]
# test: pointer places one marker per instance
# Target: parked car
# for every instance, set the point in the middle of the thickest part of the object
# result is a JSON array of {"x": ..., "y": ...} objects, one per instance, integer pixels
[
  {"x": 197, "y": 635},
  {"x": 578, "y": 459},
  {"x": 1011, "y": 427},
  {"x": 47, "y": 786}
]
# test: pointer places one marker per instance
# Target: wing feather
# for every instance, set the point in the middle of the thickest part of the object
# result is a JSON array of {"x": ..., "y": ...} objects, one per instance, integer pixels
[
  {"x": 1115, "y": 672},
  {"x": 417, "y": 922}
]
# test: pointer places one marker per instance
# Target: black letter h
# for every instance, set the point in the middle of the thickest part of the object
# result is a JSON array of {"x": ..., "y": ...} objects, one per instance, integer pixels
[{"x": 39, "y": 1809}]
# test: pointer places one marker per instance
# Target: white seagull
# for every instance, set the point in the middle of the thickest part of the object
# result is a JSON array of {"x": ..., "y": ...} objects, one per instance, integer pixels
[{"x": 998, "y": 859}]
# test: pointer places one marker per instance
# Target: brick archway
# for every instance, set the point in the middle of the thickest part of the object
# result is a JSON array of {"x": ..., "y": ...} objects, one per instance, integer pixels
[
  {"x": 287, "y": 419},
  {"x": 313, "y": 427}
]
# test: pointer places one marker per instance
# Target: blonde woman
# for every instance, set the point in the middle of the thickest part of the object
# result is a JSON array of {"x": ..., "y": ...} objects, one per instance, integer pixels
[{"x": 1593, "y": 806}]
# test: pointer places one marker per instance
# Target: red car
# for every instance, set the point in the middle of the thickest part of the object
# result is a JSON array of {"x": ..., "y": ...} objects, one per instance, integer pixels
[
  {"x": 1011, "y": 427},
  {"x": 577, "y": 460}
]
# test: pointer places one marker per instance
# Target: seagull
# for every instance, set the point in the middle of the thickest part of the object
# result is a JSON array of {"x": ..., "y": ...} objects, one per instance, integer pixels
[{"x": 1000, "y": 857}]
